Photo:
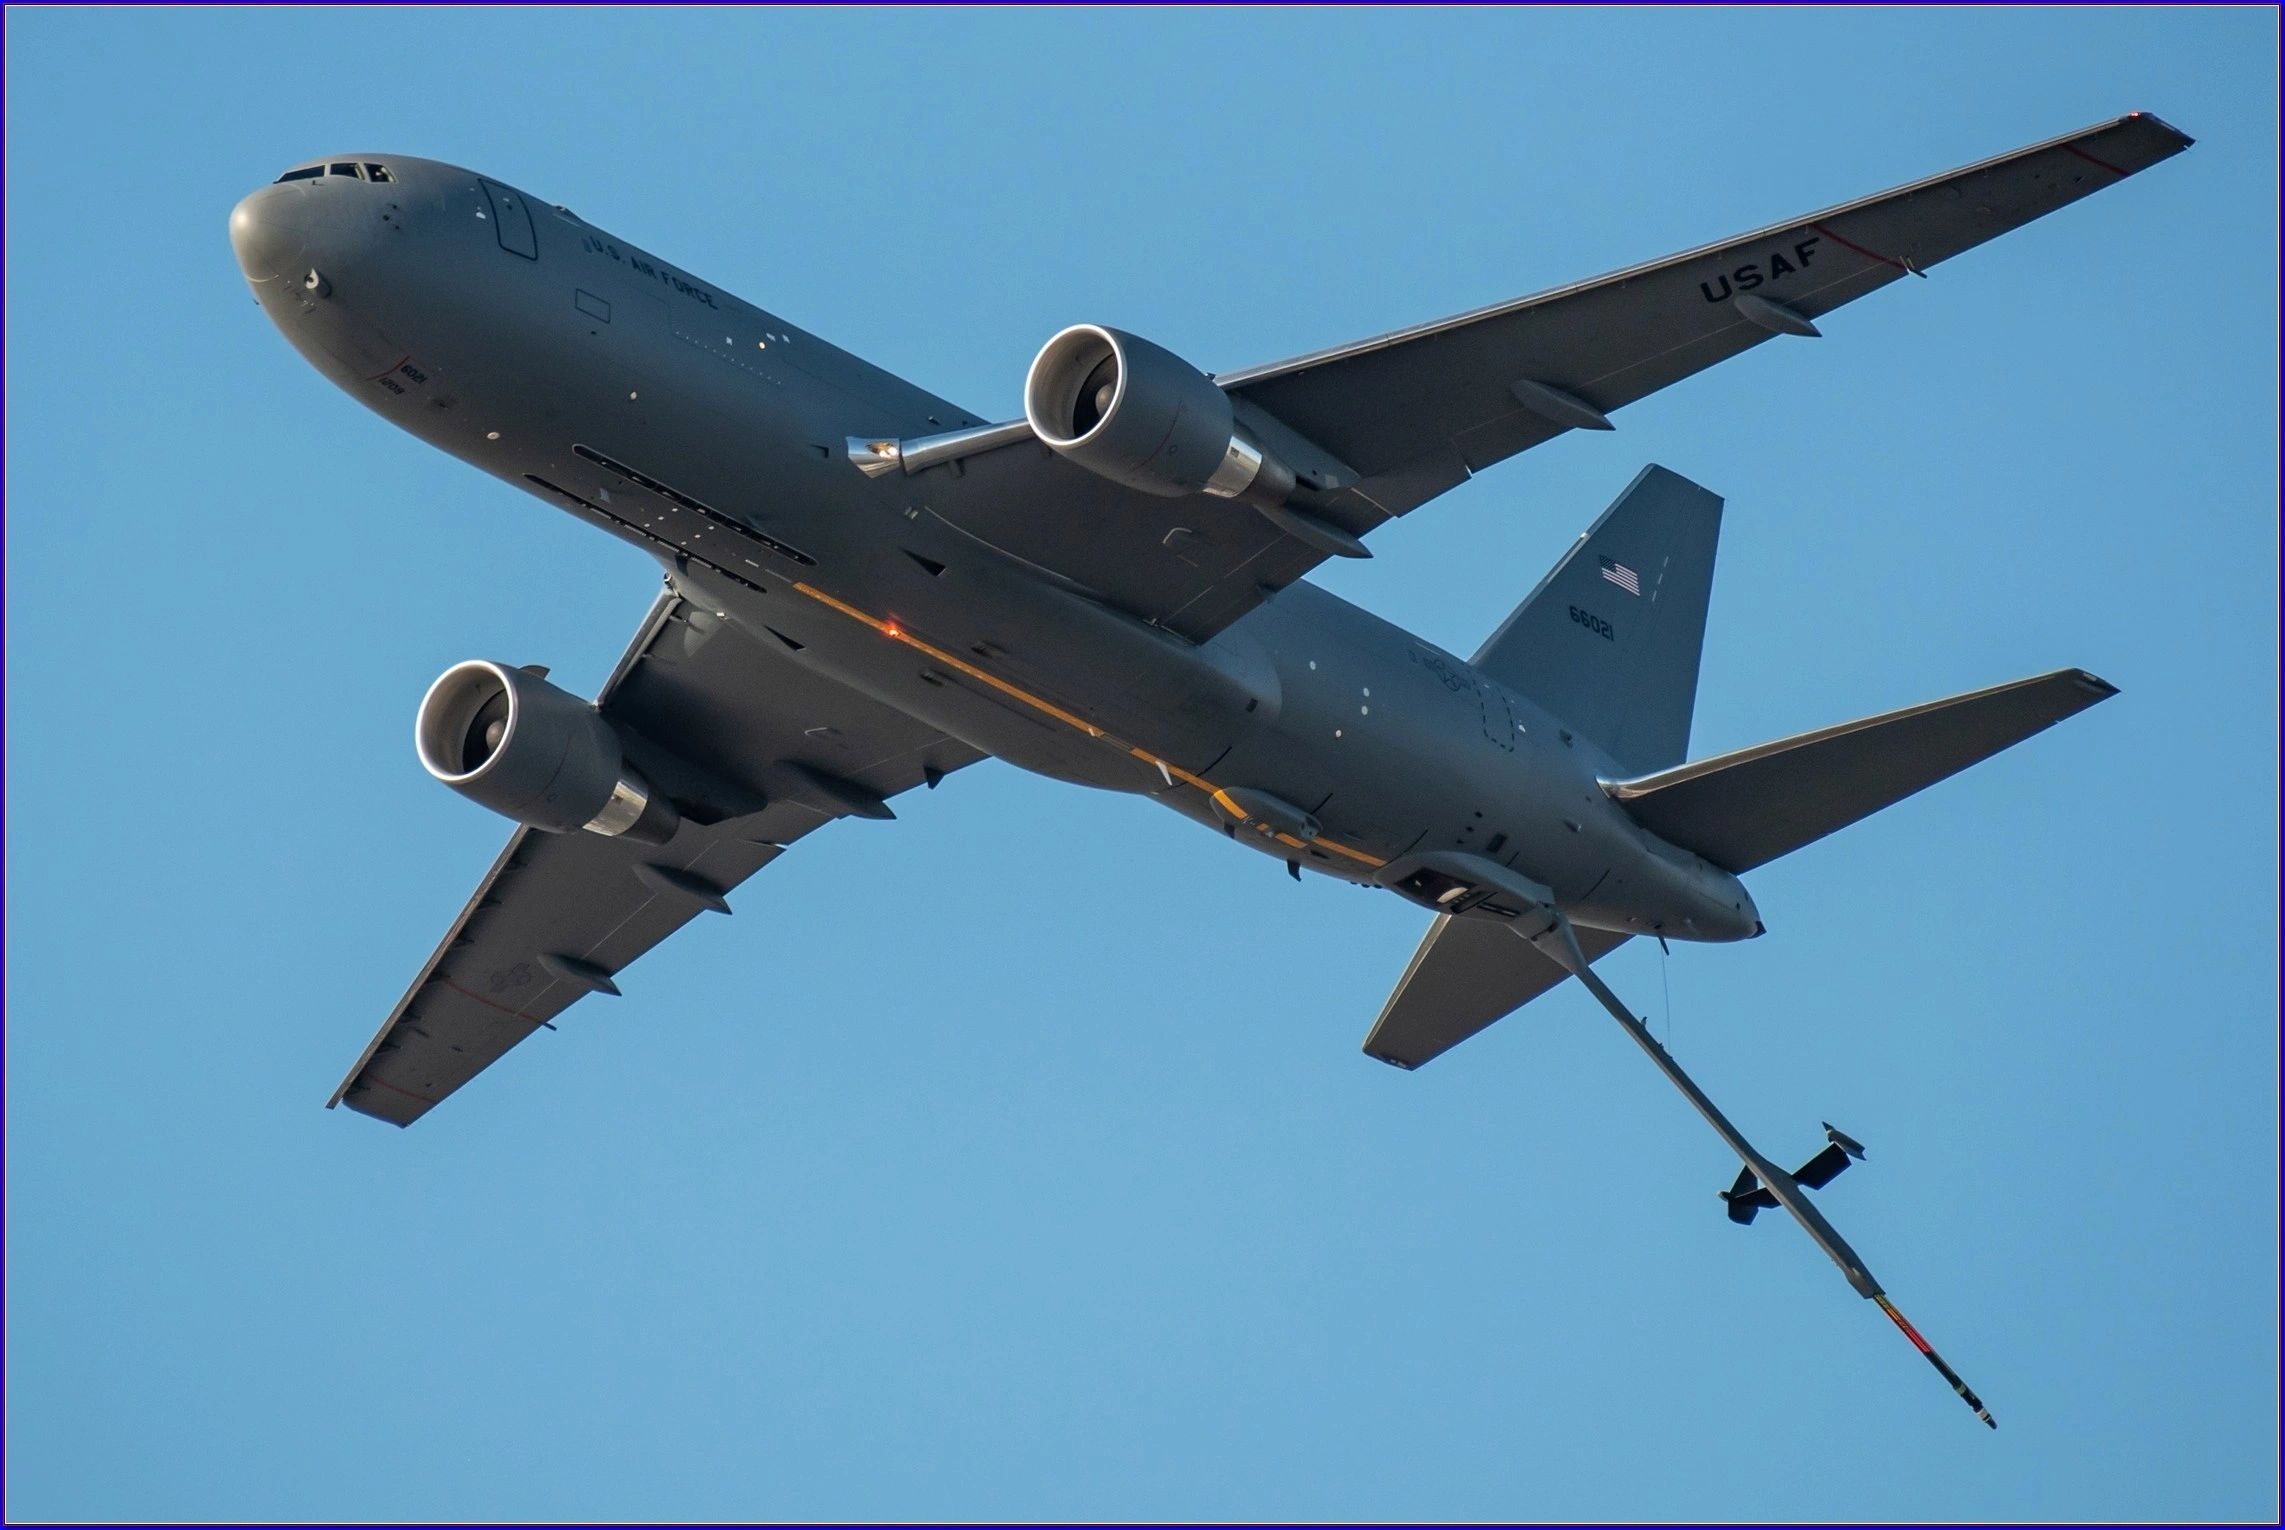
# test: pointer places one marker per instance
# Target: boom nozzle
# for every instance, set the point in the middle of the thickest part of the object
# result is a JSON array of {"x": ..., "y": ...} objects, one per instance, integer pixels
[{"x": 1967, "y": 1393}]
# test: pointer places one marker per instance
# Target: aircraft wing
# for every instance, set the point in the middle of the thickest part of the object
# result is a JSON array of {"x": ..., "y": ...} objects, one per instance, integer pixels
[
  {"x": 1414, "y": 413},
  {"x": 559, "y": 914}
]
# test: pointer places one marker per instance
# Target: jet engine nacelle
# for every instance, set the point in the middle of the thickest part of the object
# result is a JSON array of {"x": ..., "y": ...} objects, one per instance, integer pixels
[
  {"x": 1142, "y": 416},
  {"x": 534, "y": 752}
]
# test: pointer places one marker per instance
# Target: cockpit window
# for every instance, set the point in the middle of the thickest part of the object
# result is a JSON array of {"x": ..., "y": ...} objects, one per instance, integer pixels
[{"x": 355, "y": 172}]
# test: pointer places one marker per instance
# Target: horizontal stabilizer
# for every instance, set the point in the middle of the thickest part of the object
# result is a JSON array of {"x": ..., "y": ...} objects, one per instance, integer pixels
[
  {"x": 1746, "y": 809},
  {"x": 1466, "y": 974}
]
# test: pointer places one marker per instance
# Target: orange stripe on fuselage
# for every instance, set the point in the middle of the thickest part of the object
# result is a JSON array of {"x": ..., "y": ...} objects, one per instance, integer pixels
[{"x": 896, "y": 632}]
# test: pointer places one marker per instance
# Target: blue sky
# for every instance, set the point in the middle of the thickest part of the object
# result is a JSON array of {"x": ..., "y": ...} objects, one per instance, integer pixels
[{"x": 1017, "y": 1158}]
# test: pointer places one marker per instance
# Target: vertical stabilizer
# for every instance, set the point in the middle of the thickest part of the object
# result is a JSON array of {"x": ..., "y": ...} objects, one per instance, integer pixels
[{"x": 1609, "y": 641}]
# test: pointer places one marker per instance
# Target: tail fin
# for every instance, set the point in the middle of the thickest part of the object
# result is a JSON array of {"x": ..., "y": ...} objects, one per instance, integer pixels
[
  {"x": 1609, "y": 640},
  {"x": 1744, "y": 809}
]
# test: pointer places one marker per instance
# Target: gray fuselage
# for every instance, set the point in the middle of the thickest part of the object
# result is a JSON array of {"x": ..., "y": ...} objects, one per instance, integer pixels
[{"x": 654, "y": 405}]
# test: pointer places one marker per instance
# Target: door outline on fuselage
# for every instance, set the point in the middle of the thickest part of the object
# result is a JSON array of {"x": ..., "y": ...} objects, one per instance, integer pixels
[
  {"x": 511, "y": 220},
  {"x": 1499, "y": 720}
]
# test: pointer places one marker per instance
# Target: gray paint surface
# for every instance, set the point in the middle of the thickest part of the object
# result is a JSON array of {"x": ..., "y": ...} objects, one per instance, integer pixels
[
  {"x": 1648, "y": 563},
  {"x": 829, "y": 638}
]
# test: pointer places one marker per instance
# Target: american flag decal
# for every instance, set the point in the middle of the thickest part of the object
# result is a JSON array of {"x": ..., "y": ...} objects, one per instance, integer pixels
[{"x": 1622, "y": 576}]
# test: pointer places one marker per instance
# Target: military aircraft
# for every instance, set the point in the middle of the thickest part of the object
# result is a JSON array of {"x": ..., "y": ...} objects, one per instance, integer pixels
[{"x": 868, "y": 588}]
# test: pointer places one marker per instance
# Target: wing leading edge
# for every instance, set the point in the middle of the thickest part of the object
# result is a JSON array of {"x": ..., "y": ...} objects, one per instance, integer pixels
[
  {"x": 1415, "y": 412},
  {"x": 558, "y": 915},
  {"x": 1434, "y": 403}
]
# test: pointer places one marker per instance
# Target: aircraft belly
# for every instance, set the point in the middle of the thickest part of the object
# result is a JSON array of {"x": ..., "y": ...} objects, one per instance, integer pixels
[
  {"x": 1395, "y": 747},
  {"x": 707, "y": 432},
  {"x": 1388, "y": 752},
  {"x": 820, "y": 637},
  {"x": 792, "y": 548}
]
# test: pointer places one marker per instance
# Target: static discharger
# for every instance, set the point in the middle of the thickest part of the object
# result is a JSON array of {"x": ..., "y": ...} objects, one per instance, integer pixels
[{"x": 1775, "y": 1187}]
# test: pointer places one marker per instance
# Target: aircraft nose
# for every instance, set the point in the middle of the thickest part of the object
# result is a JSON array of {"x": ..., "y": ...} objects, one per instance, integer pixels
[{"x": 268, "y": 235}]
